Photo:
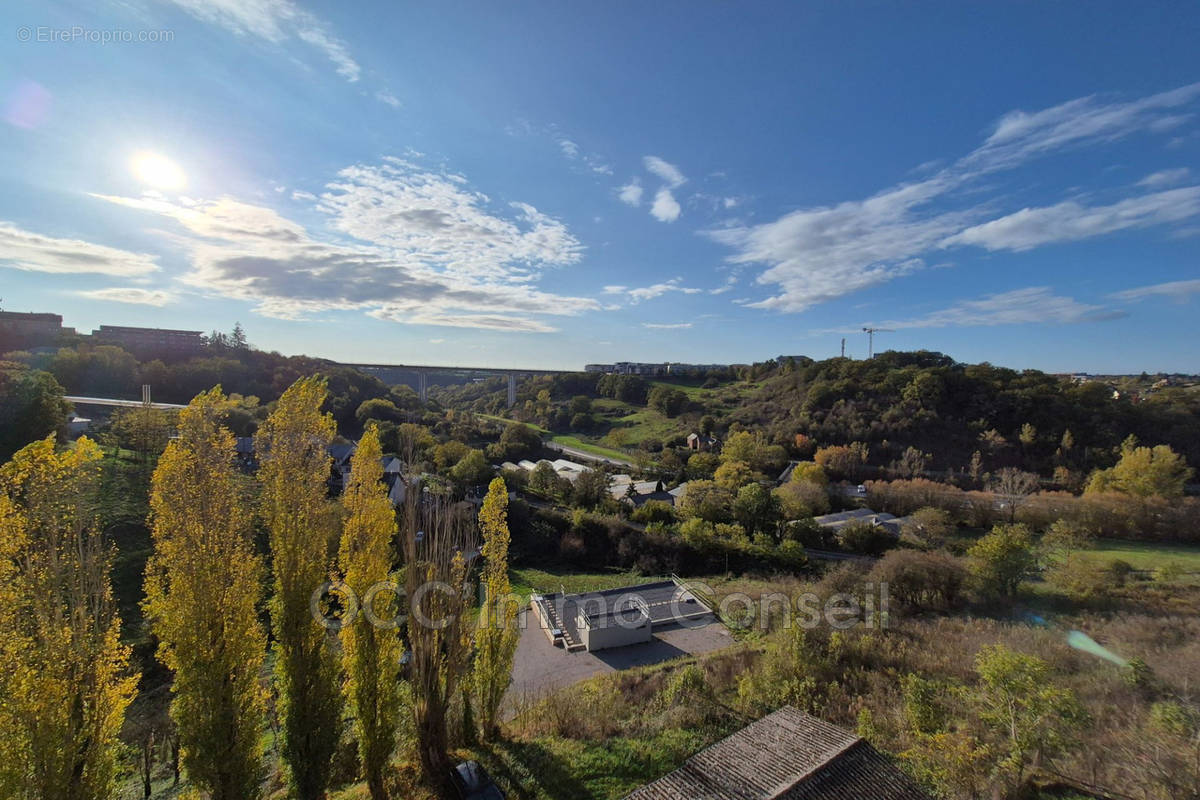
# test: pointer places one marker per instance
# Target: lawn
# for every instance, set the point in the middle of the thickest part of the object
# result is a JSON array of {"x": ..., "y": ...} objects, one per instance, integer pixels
[
  {"x": 527, "y": 580},
  {"x": 1146, "y": 555}
]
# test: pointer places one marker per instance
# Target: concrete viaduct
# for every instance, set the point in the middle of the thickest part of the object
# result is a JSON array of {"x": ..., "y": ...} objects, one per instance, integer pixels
[{"x": 394, "y": 374}]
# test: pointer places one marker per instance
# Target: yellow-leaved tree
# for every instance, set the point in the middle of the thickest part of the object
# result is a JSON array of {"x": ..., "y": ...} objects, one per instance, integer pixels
[
  {"x": 496, "y": 638},
  {"x": 371, "y": 646},
  {"x": 202, "y": 592},
  {"x": 65, "y": 681},
  {"x": 292, "y": 447}
]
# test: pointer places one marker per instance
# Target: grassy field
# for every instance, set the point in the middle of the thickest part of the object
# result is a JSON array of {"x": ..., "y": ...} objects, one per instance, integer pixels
[
  {"x": 588, "y": 447},
  {"x": 1146, "y": 555}
]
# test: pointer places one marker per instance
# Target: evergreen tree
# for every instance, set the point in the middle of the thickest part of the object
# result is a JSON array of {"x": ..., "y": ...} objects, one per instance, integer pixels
[
  {"x": 371, "y": 651},
  {"x": 202, "y": 593},
  {"x": 295, "y": 468}
]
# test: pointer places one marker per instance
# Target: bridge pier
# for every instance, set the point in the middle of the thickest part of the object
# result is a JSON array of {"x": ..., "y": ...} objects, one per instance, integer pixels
[
  {"x": 423, "y": 386},
  {"x": 512, "y": 389}
]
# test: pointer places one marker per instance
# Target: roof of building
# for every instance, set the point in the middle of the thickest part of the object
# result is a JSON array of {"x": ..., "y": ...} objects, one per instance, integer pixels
[{"x": 788, "y": 755}]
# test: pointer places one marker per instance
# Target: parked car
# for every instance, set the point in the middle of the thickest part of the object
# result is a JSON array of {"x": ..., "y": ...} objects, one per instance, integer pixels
[{"x": 473, "y": 782}]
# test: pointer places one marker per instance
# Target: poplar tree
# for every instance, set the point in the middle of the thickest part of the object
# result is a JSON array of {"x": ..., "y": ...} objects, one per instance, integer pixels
[
  {"x": 294, "y": 473},
  {"x": 65, "y": 680},
  {"x": 371, "y": 652},
  {"x": 496, "y": 639},
  {"x": 202, "y": 592},
  {"x": 437, "y": 537}
]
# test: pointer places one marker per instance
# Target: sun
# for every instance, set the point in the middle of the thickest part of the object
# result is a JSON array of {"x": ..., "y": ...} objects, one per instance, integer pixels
[{"x": 158, "y": 171}]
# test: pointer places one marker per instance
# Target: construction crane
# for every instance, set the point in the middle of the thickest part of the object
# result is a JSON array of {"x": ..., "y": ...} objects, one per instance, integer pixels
[{"x": 871, "y": 338}]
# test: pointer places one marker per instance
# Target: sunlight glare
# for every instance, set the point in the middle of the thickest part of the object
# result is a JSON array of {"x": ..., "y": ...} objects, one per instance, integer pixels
[{"x": 158, "y": 171}]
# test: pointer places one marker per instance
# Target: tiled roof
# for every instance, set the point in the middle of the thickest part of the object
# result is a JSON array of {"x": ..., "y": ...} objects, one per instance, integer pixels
[{"x": 788, "y": 755}]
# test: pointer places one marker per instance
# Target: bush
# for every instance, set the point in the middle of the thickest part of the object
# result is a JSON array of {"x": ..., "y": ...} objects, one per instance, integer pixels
[
  {"x": 864, "y": 538},
  {"x": 922, "y": 580}
]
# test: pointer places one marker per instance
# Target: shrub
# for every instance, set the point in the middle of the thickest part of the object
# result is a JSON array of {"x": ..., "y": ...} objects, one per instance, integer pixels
[
  {"x": 865, "y": 538},
  {"x": 921, "y": 580}
]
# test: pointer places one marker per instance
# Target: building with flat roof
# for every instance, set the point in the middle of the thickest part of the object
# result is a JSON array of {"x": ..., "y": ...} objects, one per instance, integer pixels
[
  {"x": 151, "y": 341},
  {"x": 20, "y": 330},
  {"x": 787, "y": 755},
  {"x": 616, "y": 617}
]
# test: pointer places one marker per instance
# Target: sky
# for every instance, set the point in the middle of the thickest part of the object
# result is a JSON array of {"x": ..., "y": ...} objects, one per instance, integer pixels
[{"x": 549, "y": 184}]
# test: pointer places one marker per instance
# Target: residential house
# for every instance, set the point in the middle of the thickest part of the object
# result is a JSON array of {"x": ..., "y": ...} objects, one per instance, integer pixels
[{"x": 702, "y": 442}]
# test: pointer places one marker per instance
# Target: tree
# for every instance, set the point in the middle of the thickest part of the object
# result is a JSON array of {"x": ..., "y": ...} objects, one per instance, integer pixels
[
  {"x": 1013, "y": 486},
  {"x": 1002, "y": 559},
  {"x": 496, "y": 639},
  {"x": 1143, "y": 472},
  {"x": 756, "y": 509},
  {"x": 544, "y": 480},
  {"x": 471, "y": 470},
  {"x": 752, "y": 448},
  {"x": 1019, "y": 702},
  {"x": 590, "y": 490},
  {"x": 843, "y": 460},
  {"x": 1062, "y": 539},
  {"x": 581, "y": 404},
  {"x": 435, "y": 536},
  {"x": 667, "y": 400},
  {"x": 294, "y": 473},
  {"x": 809, "y": 472},
  {"x": 144, "y": 430},
  {"x": 734, "y": 474},
  {"x": 202, "y": 590},
  {"x": 237, "y": 338},
  {"x": 799, "y": 499},
  {"x": 371, "y": 652},
  {"x": 930, "y": 526},
  {"x": 708, "y": 424},
  {"x": 31, "y": 407},
  {"x": 64, "y": 673},
  {"x": 708, "y": 500}
]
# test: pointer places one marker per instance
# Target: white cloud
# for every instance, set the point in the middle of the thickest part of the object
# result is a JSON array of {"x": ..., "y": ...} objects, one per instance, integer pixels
[
  {"x": 1070, "y": 221},
  {"x": 631, "y": 193},
  {"x": 387, "y": 98},
  {"x": 436, "y": 341},
  {"x": 429, "y": 251},
  {"x": 1166, "y": 177},
  {"x": 34, "y": 252},
  {"x": 668, "y": 172},
  {"x": 569, "y": 148},
  {"x": 817, "y": 254},
  {"x": 666, "y": 326},
  {"x": 130, "y": 294},
  {"x": 666, "y": 207},
  {"x": 1175, "y": 290},
  {"x": 656, "y": 290},
  {"x": 1035, "y": 305},
  {"x": 275, "y": 21}
]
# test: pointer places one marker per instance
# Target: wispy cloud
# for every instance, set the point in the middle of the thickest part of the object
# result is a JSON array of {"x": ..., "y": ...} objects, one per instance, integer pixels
[
  {"x": 668, "y": 172},
  {"x": 1070, "y": 221},
  {"x": 641, "y": 294},
  {"x": 130, "y": 294},
  {"x": 275, "y": 21},
  {"x": 1031, "y": 306},
  {"x": 35, "y": 252},
  {"x": 817, "y": 254},
  {"x": 425, "y": 249},
  {"x": 1166, "y": 177},
  {"x": 631, "y": 193},
  {"x": 666, "y": 326},
  {"x": 387, "y": 98},
  {"x": 1174, "y": 290}
]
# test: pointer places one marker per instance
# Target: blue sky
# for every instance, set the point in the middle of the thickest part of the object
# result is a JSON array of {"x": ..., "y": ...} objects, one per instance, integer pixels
[{"x": 549, "y": 184}]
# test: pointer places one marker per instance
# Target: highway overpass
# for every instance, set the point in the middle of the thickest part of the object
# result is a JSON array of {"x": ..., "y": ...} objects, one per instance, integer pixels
[{"x": 393, "y": 374}]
